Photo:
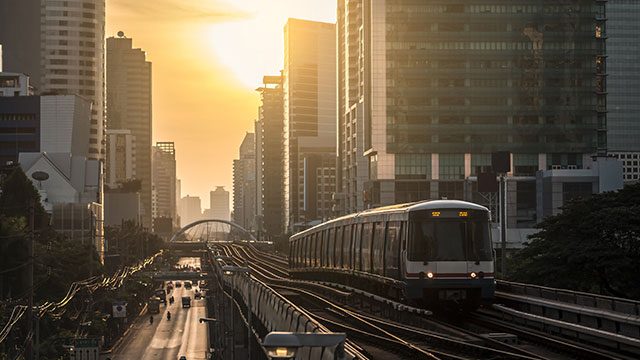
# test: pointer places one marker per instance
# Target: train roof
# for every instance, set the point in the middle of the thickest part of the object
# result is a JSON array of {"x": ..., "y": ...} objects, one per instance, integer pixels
[{"x": 407, "y": 207}]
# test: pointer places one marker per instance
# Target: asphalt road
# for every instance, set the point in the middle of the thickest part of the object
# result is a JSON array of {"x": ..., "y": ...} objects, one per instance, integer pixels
[{"x": 168, "y": 339}]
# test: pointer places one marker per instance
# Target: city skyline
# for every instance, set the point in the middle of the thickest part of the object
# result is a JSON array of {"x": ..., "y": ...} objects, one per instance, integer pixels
[{"x": 204, "y": 74}]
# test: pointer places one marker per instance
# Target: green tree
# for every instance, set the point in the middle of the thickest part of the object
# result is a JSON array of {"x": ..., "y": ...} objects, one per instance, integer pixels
[{"x": 593, "y": 246}]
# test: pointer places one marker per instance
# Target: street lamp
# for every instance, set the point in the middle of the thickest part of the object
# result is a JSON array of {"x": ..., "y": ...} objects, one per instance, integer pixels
[
  {"x": 284, "y": 345},
  {"x": 231, "y": 271}
]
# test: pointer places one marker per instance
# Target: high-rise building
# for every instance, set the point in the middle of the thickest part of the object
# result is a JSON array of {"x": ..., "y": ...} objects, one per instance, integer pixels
[
  {"x": 14, "y": 84},
  {"x": 428, "y": 90},
  {"x": 19, "y": 112},
  {"x": 61, "y": 47},
  {"x": 72, "y": 58},
  {"x": 309, "y": 88},
  {"x": 21, "y": 54},
  {"x": 623, "y": 85},
  {"x": 164, "y": 181},
  {"x": 129, "y": 107},
  {"x": 121, "y": 157},
  {"x": 190, "y": 209},
  {"x": 218, "y": 204},
  {"x": 244, "y": 184},
  {"x": 269, "y": 158},
  {"x": 48, "y": 123}
]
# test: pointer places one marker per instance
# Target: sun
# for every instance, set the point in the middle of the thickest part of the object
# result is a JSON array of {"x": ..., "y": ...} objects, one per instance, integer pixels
[{"x": 253, "y": 46}]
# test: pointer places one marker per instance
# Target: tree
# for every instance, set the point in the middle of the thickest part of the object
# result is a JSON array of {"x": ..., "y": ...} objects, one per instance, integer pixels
[{"x": 593, "y": 246}]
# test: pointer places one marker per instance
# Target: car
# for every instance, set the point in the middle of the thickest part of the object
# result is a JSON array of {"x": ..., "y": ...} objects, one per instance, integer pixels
[
  {"x": 183, "y": 357},
  {"x": 186, "y": 301},
  {"x": 197, "y": 295},
  {"x": 178, "y": 284},
  {"x": 187, "y": 285}
]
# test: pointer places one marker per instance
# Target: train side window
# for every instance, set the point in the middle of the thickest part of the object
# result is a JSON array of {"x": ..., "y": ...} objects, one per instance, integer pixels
[
  {"x": 392, "y": 249},
  {"x": 338, "y": 248},
  {"x": 325, "y": 247},
  {"x": 357, "y": 243},
  {"x": 292, "y": 253},
  {"x": 346, "y": 247},
  {"x": 365, "y": 245},
  {"x": 311, "y": 249},
  {"x": 305, "y": 251},
  {"x": 319, "y": 240},
  {"x": 297, "y": 252},
  {"x": 329, "y": 249},
  {"x": 377, "y": 249}
]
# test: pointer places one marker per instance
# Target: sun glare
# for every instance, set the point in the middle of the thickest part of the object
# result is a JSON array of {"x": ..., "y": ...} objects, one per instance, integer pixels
[{"x": 253, "y": 46}]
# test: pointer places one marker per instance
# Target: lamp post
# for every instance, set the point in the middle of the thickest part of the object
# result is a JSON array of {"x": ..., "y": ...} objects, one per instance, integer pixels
[
  {"x": 232, "y": 271},
  {"x": 215, "y": 322},
  {"x": 284, "y": 345}
]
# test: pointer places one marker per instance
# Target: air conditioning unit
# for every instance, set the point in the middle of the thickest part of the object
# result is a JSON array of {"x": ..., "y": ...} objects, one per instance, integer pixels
[
  {"x": 572, "y": 167},
  {"x": 556, "y": 167}
]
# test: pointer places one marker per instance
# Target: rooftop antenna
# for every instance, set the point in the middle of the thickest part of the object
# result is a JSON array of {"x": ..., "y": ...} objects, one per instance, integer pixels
[{"x": 120, "y": 34}]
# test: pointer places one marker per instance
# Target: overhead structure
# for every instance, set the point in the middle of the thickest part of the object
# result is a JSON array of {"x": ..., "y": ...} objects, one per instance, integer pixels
[{"x": 212, "y": 230}]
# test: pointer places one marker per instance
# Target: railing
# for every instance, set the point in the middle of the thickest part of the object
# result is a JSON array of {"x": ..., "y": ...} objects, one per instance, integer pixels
[{"x": 602, "y": 302}]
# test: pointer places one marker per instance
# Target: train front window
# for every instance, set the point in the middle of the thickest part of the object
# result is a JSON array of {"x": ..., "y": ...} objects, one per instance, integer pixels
[
  {"x": 480, "y": 241},
  {"x": 449, "y": 240}
]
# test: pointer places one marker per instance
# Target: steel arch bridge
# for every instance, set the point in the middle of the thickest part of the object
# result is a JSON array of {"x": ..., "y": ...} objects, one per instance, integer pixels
[{"x": 211, "y": 230}]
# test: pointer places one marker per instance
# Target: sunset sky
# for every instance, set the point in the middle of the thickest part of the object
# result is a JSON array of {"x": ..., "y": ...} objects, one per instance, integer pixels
[{"x": 208, "y": 57}]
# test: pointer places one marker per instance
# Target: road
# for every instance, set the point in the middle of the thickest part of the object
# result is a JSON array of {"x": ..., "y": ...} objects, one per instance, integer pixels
[{"x": 168, "y": 339}]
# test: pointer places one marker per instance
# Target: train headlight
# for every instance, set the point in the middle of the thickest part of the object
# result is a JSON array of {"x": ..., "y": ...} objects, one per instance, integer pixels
[
  {"x": 430, "y": 275},
  {"x": 473, "y": 275}
]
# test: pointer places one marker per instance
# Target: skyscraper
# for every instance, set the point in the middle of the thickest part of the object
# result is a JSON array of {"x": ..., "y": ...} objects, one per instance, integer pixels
[
  {"x": 428, "y": 90},
  {"x": 309, "y": 89},
  {"x": 129, "y": 107},
  {"x": 244, "y": 184},
  {"x": 269, "y": 158},
  {"x": 190, "y": 209},
  {"x": 121, "y": 157},
  {"x": 623, "y": 84},
  {"x": 21, "y": 54},
  {"x": 72, "y": 57},
  {"x": 164, "y": 181},
  {"x": 218, "y": 204}
]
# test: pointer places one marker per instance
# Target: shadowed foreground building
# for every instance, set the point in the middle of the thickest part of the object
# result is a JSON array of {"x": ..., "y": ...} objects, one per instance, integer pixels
[{"x": 427, "y": 90}]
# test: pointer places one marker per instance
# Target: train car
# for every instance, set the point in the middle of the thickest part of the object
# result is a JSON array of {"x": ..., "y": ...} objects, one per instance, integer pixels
[{"x": 428, "y": 252}]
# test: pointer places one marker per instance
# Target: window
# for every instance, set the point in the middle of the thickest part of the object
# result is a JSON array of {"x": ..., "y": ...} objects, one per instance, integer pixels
[
  {"x": 367, "y": 232},
  {"x": 377, "y": 249},
  {"x": 338, "y": 247},
  {"x": 392, "y": 250},
  {"x": 331, "y": 250},
  {"x": 346, "y": 247},
  {"x": 357, "y": 241}
]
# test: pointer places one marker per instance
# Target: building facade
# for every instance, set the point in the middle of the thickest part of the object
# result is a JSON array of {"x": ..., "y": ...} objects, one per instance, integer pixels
[
  {"x": 428, "y": 90},
  {"x": 72, "y": 58},
  {"x": 164, "y": 182},
  {"x": 218, "y": 205},
  {"x": 190, "y": 209},
  {"x": 244, "y": 184},
  {"x": 269, "y": 130},
  {"x": 14, "y": 84},
  {"x": 19, "y": 126},
  {"x": 623, "y": 82},
  {"x": 121, "y": 157},
  {"x": 309, "y": 90},
  {"x": 21, "y": 54},
  {"x": 129, "y": 108}
]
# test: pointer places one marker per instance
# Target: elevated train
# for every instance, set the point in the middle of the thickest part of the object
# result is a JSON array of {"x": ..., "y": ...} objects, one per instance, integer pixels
[{"x": 428, "y": 252}]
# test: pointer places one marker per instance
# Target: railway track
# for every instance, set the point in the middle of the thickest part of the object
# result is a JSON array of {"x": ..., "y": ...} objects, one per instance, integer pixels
[
  {"x": 399, "y": 339},
  {"x": 545, "y": 345}
]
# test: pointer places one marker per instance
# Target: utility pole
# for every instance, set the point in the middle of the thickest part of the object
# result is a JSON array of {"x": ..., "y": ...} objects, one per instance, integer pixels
[
  {"x": 30, "y": 244},
  {"x": 503, "y": 224}
]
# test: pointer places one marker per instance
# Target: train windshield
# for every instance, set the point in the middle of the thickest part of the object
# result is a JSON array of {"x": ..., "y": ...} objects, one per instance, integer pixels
[{"x": 450, "y": 240}]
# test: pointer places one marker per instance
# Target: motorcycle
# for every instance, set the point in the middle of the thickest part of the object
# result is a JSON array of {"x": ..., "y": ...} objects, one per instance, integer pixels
[{"x": 168, "y": 315}]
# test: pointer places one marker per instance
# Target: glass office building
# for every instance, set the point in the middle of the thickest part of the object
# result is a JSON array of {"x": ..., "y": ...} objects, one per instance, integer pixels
[{"x": 429, "y": 89}]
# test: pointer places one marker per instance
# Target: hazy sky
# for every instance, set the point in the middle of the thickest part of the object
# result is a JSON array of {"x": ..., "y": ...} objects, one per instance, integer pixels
[{"x": 208, "y": 57}]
